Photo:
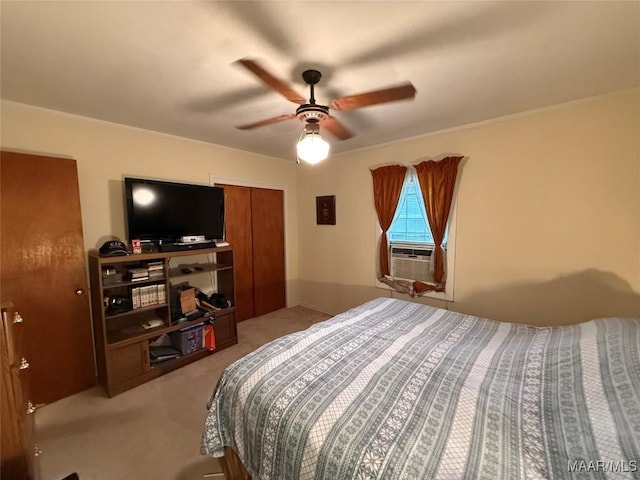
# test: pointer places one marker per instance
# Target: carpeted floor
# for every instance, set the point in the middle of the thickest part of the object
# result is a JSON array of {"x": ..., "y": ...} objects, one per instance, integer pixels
[{"x": 152, "y": 431}]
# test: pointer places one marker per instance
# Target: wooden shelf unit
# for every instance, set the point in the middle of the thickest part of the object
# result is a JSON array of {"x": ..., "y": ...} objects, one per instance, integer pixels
[{"x": 122, "y": 343}]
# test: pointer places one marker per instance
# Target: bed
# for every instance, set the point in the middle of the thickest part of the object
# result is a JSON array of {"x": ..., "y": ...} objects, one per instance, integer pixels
[{"x": 398, "y": 390}]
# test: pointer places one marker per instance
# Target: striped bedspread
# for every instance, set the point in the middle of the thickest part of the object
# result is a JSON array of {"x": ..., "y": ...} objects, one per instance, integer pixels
[{"x": 397, "y": 390}]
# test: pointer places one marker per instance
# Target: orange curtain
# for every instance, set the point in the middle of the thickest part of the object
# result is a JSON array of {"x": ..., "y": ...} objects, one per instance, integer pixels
[
  {"x": 387, "y": 186},
  {"x": 437, "y": 181}
]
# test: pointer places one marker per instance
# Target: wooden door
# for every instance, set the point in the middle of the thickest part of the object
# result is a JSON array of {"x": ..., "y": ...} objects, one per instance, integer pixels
[
  {"x": 237, "y": 205},
  {"x": 267, "y": 225},
  {"x": 43, "y": 271}
]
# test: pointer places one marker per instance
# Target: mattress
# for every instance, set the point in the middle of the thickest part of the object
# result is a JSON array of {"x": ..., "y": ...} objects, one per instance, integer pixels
[{"x": 399, "y": 390}]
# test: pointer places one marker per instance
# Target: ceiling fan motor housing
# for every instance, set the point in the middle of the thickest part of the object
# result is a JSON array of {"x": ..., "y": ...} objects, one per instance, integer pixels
[{"x": 312, "y": 113}]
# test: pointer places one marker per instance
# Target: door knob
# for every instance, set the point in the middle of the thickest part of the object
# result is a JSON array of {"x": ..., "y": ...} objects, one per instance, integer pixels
[{"x": 79, "y": 292}]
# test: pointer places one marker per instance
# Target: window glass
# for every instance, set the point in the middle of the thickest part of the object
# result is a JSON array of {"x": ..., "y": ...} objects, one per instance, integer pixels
[{"x": 410, "y": 221}]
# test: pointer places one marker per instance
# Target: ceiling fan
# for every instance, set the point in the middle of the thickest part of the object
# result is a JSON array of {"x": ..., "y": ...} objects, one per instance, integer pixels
[{"x": 314, "y": 115}]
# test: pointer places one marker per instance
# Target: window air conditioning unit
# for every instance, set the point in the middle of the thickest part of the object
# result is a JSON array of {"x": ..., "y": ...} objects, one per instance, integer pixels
[{"x": 411, "y": 262}]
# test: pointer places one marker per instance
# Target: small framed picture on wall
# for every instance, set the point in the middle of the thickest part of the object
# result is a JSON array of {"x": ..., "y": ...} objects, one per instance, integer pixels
[{"x": 326, "y": 210}]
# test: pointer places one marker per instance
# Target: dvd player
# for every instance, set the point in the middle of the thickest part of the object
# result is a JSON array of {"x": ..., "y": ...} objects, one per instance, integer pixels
[{"x": 180, "y": 246}]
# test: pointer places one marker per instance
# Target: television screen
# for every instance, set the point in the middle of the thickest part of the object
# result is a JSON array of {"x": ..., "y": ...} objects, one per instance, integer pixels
[{"x": 168, "y": 211}]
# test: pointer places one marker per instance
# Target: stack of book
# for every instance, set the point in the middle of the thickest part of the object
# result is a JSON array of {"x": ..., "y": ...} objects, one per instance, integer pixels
[
  {"x": 138, "y": 274},
  {"x": 148, "y": 295},
  {"x": 155, "y": 269}
]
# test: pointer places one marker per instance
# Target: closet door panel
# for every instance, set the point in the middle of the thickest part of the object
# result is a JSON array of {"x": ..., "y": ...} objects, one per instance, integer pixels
[
  {"x": 267, "y": 220},
  {"x": 237, "y": 202}
]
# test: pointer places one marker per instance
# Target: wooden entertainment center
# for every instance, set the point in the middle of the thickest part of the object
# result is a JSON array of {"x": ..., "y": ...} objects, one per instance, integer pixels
[{"x": 123, "y": 337}]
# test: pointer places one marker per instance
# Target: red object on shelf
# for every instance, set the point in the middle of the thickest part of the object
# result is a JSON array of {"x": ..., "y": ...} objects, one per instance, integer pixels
[
  {"x": 209, "y": 337},
  {"x": 136, "y": 246}
]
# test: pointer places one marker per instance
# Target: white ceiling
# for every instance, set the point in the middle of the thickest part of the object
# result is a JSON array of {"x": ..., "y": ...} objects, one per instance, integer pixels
[{"x": 168, "y": 65}]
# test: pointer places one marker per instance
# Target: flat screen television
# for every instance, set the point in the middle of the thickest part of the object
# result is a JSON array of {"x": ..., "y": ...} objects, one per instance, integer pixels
[{"x": 167, "y": 211}]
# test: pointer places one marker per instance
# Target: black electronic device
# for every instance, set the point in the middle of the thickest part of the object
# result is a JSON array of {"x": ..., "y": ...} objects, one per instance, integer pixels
[
  {"x": 164, "y": 212},
  {"x": 181, "y": 246},
  {"x": 118, "y": 304},
  {"x": 195, "y": 314}
]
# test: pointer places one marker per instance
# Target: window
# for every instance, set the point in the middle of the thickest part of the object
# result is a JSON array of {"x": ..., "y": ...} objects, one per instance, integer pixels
[
  {"x": 410, "y": 222},
  {"x": 405, "y": 222}
]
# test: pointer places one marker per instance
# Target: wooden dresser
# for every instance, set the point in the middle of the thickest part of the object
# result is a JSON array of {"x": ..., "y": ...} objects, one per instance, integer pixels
[{"x": 18, "y": 448}]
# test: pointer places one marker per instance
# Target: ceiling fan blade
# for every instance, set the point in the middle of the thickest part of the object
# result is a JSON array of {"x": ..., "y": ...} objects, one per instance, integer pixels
[
  {"x": 374, "y": 97},
  {"x": 267, "y": 121},
  {"x": 272, "y": 82},
  {"x": 336, "y": 128}
]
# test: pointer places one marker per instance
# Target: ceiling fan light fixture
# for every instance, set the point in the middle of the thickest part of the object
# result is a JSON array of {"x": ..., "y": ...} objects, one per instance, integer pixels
[{"x": 312, "y": 148}]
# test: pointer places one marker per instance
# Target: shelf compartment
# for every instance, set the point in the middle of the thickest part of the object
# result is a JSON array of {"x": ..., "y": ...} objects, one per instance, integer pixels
[
  {"x": 136, "y": 311},
  {"x": 132, "y": 334},
  {"x": 202, "y": 268},
  {"x": 129, "y": 283},
  {"x": 119, "y": 338}
]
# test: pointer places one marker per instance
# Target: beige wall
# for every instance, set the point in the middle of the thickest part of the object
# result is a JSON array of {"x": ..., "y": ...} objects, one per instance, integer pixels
[
  {"x": 106, "y": 152},
  {"x": 548, "y": 216},
  {"x": 548, "y": 211}
]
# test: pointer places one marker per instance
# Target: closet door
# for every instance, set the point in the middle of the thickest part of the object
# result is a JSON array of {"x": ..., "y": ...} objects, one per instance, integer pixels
[
  {"x": 44, "y": 271},
  {"x": 267, "y": 225},
  {"x": 237, "y": 201}
]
